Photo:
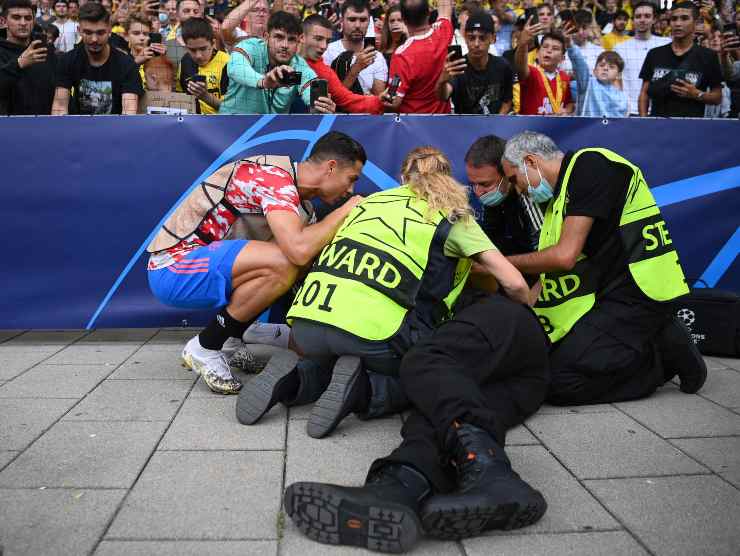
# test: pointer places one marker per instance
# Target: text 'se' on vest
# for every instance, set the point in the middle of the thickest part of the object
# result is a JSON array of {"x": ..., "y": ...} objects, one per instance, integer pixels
[{"x": 651, "y": 258}]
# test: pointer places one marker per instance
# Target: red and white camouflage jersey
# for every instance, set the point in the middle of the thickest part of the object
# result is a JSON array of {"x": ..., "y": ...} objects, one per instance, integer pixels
[{"x": 254, "y": 189}]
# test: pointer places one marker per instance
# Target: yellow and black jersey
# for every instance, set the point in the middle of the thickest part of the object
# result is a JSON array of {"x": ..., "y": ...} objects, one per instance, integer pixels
[{"x": 217, "y": 79}]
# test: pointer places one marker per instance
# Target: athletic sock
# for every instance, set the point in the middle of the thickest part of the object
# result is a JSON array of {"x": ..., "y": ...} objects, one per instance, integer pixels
[{"x": 220, "y": 329}]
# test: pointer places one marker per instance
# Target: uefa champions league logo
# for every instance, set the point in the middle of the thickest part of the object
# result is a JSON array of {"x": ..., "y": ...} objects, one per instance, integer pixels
[{"x": 687, "y": 316}]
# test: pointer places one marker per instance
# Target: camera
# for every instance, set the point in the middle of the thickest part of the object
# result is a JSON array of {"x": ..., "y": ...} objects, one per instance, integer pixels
[{"x": 290, "y": 79}]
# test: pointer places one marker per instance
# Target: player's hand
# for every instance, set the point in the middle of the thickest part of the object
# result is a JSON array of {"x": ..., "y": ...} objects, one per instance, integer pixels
[{"x": 34, "y": 54}]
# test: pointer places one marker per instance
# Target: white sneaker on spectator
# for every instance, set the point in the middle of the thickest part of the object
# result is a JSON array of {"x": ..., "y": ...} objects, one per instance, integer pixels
[
  {"x": 268, "y": 333},
  {"x": 212, "y": 365}
]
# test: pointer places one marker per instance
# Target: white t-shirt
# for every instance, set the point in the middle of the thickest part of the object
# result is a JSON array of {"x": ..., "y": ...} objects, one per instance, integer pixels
[
  {"x": 377, "y": 70},
  {"x": 633, "y": 52},
  {"x": 67, "y": 35}
]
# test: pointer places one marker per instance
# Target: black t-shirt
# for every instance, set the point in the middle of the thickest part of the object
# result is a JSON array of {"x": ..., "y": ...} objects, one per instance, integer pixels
[
  {"x": 483, "y": 92},
  {"x": 701, "y": 68},
  {"x": 98, "y": 90}
]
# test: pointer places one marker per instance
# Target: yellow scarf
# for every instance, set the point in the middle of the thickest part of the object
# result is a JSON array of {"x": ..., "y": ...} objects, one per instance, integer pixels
[{"x": 556, "y": 100}]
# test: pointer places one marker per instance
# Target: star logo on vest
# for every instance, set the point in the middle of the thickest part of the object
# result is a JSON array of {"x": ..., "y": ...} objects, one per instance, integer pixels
[{"x": 396, "y": 219}]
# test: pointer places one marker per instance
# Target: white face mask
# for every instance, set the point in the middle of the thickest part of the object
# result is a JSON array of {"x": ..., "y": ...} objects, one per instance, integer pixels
[{"x": 542, "y": 192}]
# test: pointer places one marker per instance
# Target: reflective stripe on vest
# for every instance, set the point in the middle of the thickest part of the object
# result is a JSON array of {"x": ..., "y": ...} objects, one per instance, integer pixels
[
  {"x": 652, "y": 259},
  {"x": 369, "y": 277}
]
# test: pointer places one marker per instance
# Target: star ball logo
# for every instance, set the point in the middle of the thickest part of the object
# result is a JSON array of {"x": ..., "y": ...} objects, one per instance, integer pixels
[{"x": 688, "y": 317}]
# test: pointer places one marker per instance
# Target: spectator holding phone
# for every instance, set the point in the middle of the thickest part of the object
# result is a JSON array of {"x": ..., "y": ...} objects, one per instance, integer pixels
[
  {"x": 317, "y": 32},
  {"x": 202, "y": 72},
  {"x": 681, "y": 78},
  {"x": 27, "y": 63},
  {"x": 544, "y": 89},
  {"x": 363, "y": 62},
  {"x": 138, "y": 29},
  {"x": 730, "y": 59},
  {"x": 421, "y": 59},
  {"x": 104, "y": 79},
  {"x": 266, "y": 76},
  {"x": 478, "y": 83}
]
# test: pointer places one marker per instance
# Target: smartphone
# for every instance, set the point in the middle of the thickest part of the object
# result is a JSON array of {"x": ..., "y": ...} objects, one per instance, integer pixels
[
  {"x": 319, "y": 88},
  {"x": 393, "y": 87},
  {"x": 677, "y": 74},
  {"x": 155, "y": 38},
  {"x": 369, "y": 41},
  {"x": 290, "y": 79},
  {"x": 532, "y": 12},
  {"x": 198, "y": 78},
  {"x": 39, "y": 36},
  {"x": 455, "y": 50},
  {"x": 211, "y": 11},
  {"x": 729, "y": 29}
]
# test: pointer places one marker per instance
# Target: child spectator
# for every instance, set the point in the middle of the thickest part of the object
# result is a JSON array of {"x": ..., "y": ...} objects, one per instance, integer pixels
[
  {"x": 599, "y": 95},
  {"x": 204, "y": 59}
]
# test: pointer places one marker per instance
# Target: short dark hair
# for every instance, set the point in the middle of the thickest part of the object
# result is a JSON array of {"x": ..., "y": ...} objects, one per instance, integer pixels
[
  {"x": 196, "y": 28},
  {"x": 337, "y": 146},
  {"x": 21, "y": 4},
  {"x": 486, "y": 151},
  {"x": 356, "y": 5},
  {"x": 583, "y": 18},
  {"x": 684, "y": 5},
  {"x": 59, "y": 2},
  {"x": 94, "y": 13},
  {"x": 316, "y": 19},
  {"x": 545, "y": 5},
  {"x": 646, "y": 4},
  {"x": 621, "y": 14},
  {"x": 611, "y": 57},
  {"x": 51, "y": 28},
  {"x": 285, "y": 22},
  {"x": 556, "y": 36}
]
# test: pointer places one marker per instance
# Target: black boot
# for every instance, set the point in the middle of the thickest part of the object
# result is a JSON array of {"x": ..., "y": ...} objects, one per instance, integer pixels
[
  {"x": 489, "y": 496},
  {"x": 277, "y": 382},
  {"x": 348, "y": 391},
  {"x": 681, "y": 357},
  {"x": 381, "y": 516}
]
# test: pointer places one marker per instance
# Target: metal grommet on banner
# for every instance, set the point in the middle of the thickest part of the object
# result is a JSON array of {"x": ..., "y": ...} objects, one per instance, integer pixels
[
  {"x": 180, "y": 119},
  {"x": 605, "y": 121},
  {"x": 398, "y": 118}
]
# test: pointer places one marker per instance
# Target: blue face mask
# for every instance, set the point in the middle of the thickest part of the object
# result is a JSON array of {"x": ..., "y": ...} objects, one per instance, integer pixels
[
  {"x": 493, "y": 197},
  {"x": 543, "y": 191},
  {"x": 163, "y": 18}
]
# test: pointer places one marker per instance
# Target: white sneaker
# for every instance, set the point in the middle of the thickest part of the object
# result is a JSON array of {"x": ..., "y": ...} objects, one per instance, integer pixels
[
  {"x": 268, "y": 333},
  {"x": 212, "y": 366}
]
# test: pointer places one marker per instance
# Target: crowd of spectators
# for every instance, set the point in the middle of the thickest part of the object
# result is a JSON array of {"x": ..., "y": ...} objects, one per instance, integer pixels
[{"x": 613, "y": 59}]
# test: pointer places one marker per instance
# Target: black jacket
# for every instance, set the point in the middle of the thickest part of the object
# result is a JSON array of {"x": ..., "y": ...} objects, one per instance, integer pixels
[
  {"x": 513, "y": 226},
  {"x": 29, "y": 90}
]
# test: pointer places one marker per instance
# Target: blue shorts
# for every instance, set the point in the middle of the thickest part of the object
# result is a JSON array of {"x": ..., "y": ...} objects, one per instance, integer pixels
[{"x": 201, "y": 279}]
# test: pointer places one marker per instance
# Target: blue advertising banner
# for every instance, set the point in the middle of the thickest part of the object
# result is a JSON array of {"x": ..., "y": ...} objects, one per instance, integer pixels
[{"x": 82, "y": 197}]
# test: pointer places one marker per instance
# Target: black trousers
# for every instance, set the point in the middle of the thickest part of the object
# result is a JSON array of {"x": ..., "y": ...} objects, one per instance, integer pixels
[
  {"x": 610, "y": 355},
  {"x": 488, "y": 367}
]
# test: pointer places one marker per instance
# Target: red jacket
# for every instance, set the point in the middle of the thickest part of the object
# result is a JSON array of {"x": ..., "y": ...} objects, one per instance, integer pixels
[{"x": 341, "y": 95}]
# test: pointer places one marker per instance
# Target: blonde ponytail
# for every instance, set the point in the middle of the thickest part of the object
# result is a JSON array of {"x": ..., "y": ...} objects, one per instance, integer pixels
[{"x": 427, "y": 172}]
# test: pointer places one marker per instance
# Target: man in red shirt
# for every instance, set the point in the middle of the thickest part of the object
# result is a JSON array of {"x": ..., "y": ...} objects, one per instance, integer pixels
[
  {"x": 420, "y": 60},
  {"x": 317, "y": 33},
  {"x": 544, "y": 89}
]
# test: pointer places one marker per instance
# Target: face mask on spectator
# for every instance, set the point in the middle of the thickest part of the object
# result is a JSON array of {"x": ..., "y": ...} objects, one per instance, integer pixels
[
  {"x": 543, "y": 191},
  {"x": 163, "y": 18},
  {"x": 493, "y": 197}
]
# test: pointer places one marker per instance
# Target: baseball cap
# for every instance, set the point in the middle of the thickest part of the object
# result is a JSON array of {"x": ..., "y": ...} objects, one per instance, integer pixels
[{"x": 479, "y": 21}]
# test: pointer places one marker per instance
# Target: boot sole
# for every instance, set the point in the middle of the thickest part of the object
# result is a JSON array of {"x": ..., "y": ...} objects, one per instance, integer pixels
[
  {"x": 327, "y": 514},
  {"x": 327, "y": 411},
  {"x": 256, "y": 398},
  {"x": 462, "y": 521},
  {"x": 679, "y": 338}
]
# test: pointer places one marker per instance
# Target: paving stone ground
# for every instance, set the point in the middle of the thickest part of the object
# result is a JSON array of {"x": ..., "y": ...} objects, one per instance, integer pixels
[{"x": 109, "y": 447}]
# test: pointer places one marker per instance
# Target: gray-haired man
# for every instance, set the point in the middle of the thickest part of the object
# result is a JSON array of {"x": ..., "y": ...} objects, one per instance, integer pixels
[{"x": 607, "y": 265}]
